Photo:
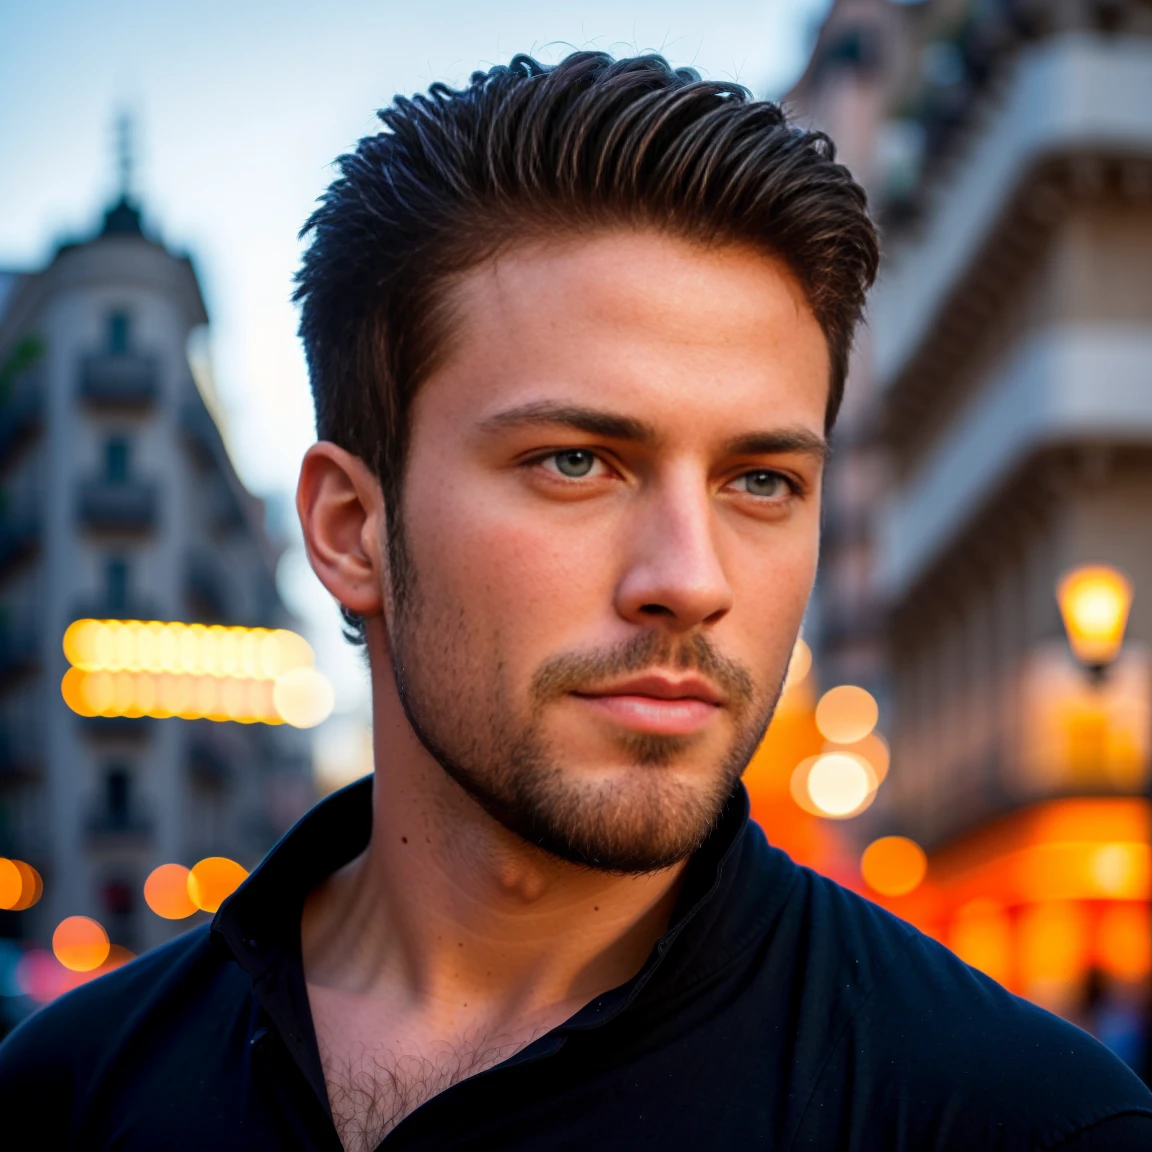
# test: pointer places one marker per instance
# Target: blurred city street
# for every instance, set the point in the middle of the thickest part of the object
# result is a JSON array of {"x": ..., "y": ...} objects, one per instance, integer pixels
[{"x": 965, "y": 736}]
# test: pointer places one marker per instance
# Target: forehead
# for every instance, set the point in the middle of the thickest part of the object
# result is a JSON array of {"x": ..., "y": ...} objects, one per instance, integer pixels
[{"x": 649, "y": 324}]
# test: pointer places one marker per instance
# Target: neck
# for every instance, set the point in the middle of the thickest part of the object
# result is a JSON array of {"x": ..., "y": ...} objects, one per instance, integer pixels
[{"x": 448, "y": 909}]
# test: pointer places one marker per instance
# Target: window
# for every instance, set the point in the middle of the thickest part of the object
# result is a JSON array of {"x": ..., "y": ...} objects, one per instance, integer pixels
[
  {"x": 119, "y": 333},
  {"x": 116, "y": 575},
  {"x": 116, "y": 459}
]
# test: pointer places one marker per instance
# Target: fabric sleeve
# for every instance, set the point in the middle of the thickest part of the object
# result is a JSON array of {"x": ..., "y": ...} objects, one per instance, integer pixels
[{"x": 1130, "y": 1132}]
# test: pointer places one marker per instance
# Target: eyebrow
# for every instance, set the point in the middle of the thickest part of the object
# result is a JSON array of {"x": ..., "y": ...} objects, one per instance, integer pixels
[
  {"x": 798, "y": 440},
  {"x": 597, "y": 422},
  {"x": 594, "y": 421}
]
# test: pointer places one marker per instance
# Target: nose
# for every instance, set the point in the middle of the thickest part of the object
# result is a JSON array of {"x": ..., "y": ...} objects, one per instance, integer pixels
[{"x": 673, "y": 571}]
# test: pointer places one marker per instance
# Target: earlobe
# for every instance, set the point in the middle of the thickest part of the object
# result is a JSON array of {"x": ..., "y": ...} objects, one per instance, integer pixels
[{"x": 341, "y": 510}]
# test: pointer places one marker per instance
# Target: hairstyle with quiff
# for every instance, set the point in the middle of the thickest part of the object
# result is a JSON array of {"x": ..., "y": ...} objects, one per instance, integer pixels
[{"x": 527, "y": 151}]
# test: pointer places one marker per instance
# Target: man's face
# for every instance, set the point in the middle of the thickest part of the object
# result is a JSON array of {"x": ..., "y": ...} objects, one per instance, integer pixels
[{"x": 610, "y": 529}]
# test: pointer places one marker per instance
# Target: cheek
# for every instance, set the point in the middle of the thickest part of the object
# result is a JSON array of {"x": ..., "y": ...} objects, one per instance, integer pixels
[
  {"x": 770, "y": 594},
  {"x": 537, "y": 585}
]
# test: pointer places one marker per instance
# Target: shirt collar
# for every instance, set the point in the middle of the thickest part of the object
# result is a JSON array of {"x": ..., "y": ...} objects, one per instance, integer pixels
[{"x": 259, "y": 925}]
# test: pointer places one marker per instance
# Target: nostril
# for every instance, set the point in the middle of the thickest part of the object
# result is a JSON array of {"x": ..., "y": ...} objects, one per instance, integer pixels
[{"x": 656, "y": 610}]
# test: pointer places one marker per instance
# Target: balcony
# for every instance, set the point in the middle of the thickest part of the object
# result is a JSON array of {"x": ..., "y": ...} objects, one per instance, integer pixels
[
  {"x": 1070, "y": 95},
  {"x": 119, "y": 380},
  {"x": 117, "y": 506}
]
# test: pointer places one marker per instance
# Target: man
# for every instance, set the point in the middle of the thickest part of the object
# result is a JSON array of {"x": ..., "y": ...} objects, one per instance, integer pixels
[{"x": 576, "y": 338}]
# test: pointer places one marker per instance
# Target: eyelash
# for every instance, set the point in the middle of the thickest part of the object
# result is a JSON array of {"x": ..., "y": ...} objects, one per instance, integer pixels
[{"x": 795, "y": 488}]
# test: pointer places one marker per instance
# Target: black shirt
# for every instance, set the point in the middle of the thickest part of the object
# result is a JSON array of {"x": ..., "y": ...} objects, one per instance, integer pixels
[{"x": 778, "y": 1011}]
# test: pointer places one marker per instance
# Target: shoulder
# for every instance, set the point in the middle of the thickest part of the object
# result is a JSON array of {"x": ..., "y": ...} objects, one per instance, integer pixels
[
  {"x": 962, "y": 1061},
  {"x": 52, "y": 1055}
]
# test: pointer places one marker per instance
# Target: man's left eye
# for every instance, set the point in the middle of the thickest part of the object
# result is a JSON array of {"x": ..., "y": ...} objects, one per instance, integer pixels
[
  {"x": 767, "y": 484},
  {"x": 574, "y": 463}
]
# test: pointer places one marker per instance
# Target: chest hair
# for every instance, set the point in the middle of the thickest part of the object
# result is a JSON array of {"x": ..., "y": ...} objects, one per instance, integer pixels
[{"x": 370, "y": 1090}]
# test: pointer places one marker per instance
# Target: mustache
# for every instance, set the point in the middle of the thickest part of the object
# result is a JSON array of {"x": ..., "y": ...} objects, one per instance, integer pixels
[{"x": 579, "y": 671}]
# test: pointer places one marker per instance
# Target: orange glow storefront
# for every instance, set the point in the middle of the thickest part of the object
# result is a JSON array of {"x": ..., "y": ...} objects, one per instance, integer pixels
[{"x": 1052, "y": 899}]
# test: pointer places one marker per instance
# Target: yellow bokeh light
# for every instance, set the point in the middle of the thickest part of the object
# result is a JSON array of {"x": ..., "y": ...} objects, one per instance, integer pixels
[
  {"x": 847, "y": 714},
  {"x": 166, "y": 892},
  {"x": 1094, "y": 601},
  {"x": 893, "y": 865},
  {"x": 194, "y": 671},
  {"x": 839, "y": 785},
  {"x": 303, "y": 697},
  {"x": 213, "y": 880},
  {"x": 80, "y": 943},
  {"x": 195, "y": 649},
  {"x": 874, "y": 749},
  {"x": 1118, "y": 869}
]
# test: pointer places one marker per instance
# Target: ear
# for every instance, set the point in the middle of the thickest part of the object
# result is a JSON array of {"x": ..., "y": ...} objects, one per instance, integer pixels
[{"x": 341, "y": 509}]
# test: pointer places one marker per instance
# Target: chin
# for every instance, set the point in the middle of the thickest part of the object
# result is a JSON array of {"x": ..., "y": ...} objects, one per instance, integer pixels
[{"x": 633, "y": 819}]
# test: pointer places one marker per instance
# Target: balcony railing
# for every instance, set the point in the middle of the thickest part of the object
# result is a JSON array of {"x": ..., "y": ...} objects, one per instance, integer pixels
[
  {"x": 119, "y": 380},
  {"x": 126, "y": 506}
]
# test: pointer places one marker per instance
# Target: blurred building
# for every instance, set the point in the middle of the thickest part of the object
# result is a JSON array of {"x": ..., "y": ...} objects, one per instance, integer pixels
[
  {"x": 118, "y": 500},
  {"x": 999, "y": 434}
]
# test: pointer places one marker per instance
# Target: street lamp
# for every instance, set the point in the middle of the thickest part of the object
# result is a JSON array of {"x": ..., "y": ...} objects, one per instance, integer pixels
[{"x": 1094, "y": 602}]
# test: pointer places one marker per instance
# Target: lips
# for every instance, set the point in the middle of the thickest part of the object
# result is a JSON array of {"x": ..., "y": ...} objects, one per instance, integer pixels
[{"x": 657, "y": 705}]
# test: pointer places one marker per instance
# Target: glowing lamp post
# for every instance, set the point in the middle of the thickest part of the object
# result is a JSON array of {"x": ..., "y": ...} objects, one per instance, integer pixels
[{"x": 1094, "y": 602}]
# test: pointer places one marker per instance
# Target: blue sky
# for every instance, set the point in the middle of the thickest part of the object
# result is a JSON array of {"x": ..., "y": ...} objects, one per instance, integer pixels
[{"x": 241, "y": 106}]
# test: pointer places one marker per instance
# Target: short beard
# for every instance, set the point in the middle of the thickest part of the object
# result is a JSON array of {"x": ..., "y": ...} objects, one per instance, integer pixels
[{"x": 642, "y": 823}]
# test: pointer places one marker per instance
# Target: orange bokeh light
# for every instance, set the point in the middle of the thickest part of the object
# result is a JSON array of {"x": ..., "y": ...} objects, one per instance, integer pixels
[
  {"x": 893, "y": 865},
  {"x": 981, "y": 935},
  {"x": 213, "y": 880},
  {"x": 80, "y": 943},
  {"x": 1123, "y": 940},
  {"x": 874, "y": 749},
  {"x": 20, "y": 885},
  {"x": 166, "y": 892},
  {"x": 1053, "y": 945},
  {"x": 846, "y": 714},
  {"x": 11, "y": 883}
]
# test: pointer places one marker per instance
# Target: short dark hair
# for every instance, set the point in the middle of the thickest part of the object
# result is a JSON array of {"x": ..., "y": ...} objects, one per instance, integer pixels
[{"x": 527, "y": 150}]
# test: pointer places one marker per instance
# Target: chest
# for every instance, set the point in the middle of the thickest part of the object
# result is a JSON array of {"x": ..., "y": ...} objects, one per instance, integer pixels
[{"x": 382, "y": 1062}]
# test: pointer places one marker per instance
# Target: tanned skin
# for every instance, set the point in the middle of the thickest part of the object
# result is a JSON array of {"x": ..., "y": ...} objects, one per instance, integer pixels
[{"x": 624, "y": 445}]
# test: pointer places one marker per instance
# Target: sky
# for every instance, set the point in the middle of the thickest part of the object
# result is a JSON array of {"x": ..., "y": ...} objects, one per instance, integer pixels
[{"x": 239, "y": 109}]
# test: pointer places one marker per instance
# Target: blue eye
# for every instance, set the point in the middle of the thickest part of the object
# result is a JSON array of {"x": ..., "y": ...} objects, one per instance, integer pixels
[
  {"x": 766, "y": 484},
  {"x": 574, "y": 463}
]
